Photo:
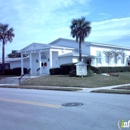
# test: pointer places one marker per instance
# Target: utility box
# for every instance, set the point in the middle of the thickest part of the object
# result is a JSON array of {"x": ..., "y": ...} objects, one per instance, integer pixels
[{"x": 81, "y": 69}]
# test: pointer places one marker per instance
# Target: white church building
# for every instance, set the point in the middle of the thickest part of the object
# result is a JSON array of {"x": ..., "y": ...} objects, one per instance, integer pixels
[{"x": 42, "y": 57}]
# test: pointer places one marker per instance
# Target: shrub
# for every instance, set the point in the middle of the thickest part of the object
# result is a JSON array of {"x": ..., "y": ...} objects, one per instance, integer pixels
[
  {"x": 55, "y": 71},
  {"x": 90, "y": 73},
  {"x": 72, "y": 72},
  {"x": 17, "y": 71},
  {"x": 8, "y": 72},
  {"x": 114, "y": 69},
  {"x": 66, "y": 68},
  {"x": 95, "y": 69}
]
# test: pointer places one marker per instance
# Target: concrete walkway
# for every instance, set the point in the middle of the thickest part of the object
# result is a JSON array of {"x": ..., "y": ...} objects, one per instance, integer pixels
[{"x": 107, "y": 87}]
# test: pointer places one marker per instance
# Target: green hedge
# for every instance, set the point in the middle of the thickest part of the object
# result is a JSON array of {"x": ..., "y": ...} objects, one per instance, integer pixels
[
  {"x": 8, "y": 72},
  {"x": 70, "y": 69},
  {"x": 114, "y": 69},
  {"x": 66, "y": 68},
  {"x": 94, "y": 69},
  {"x": 55, "y": 71},
  {"x": 17, "y": 71}
]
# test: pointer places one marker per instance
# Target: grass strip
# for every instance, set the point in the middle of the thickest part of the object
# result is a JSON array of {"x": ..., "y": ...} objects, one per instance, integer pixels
[
  {"x": 112, "y": 91},
  {"x": 42, "y": 88},
  {"x": 123, "y": 87}
]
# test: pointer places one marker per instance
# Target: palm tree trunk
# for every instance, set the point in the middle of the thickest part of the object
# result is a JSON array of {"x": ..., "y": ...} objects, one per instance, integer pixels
[
  {"x": 80, "y": 51},
  {"x": 3, "y": 58}
]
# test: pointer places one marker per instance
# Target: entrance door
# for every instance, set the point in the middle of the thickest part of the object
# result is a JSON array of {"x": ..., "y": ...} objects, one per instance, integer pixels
[{"x": 44, "y": 63}]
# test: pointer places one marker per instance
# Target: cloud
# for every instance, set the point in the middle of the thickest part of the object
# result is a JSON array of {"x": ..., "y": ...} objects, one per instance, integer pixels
[
  {"x": 40, "y": 20},
  {"x": 110, "y": 30}
]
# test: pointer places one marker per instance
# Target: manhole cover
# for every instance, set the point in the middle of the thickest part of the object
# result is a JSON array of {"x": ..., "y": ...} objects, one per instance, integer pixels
[{"x": 72, "y": 104}]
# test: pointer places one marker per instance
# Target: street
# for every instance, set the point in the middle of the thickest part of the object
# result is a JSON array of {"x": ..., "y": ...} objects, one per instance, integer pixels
[{"x": 24, "y": 109}]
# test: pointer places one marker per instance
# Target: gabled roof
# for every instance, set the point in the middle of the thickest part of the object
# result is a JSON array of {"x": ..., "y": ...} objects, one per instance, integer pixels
[
  {"x": 59, "y": 39},
  {"x": 34, "y": 46},
  {"x": 40, "y": 46},
  {"x": 58, "y": 44},
  {"x": 91, "y": 44},
  {"x": 106, "y": 45}
]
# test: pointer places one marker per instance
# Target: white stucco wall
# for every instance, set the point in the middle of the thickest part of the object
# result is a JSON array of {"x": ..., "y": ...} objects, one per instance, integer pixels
[
  {"x": 55, "y": 59},
  {"x": 65, "y": 60},
  {"x": 15, "y": 64},
  {"x": 72, "y": 44},
  {"x": 93, "y": 51},
  {"x": 74, "y": 60}
]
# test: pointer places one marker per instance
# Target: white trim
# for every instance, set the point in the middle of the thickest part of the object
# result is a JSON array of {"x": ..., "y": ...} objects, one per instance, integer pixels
[
  {"x": 22, "y": 64},
  {"x": 30, "y": 63},
  {"x": 39, "y": 54}
]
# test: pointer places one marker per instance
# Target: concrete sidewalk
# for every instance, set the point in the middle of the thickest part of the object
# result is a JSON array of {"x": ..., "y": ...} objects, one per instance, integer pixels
[{"x": 99, "y": 88}]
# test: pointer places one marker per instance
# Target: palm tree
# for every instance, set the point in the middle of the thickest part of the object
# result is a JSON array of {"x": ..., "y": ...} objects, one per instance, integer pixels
[
  {"x": 80, "y": 29},
  {"x": 5, "y": 36}
]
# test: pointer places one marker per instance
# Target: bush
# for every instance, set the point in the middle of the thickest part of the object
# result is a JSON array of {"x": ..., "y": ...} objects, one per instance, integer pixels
[
  {"x": 114, "y": 69},
  {"x": 90, "y": 73},
  {"x": 72, "y": 72},
  {"x": 8, "y": 72},
  {"x": 66, "y": 68},
  {"x": 55, "y": 71},
  {"x": 17, "y": 71},
  {"x": 95, "y": 69}
]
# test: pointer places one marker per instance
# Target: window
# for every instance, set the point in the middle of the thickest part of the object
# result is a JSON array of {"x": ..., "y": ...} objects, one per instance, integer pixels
[
  {"x": 43, "y": 56},
  {"x": 123, "y": 58},
  {"x": 98, "y": 54}
]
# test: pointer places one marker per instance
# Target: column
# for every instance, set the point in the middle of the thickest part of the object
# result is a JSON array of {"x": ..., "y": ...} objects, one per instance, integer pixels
[
  {"x": 30, "y": 63},
  {"x": 40, "y": 62},
  {"x": 96, "y": 62},
  {"x": 50, "y": 56},
  {"x": 22, "y": 64}
]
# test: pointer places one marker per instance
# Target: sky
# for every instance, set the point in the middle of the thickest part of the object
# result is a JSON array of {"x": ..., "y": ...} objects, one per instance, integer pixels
[{"x": 44, "y": 21}]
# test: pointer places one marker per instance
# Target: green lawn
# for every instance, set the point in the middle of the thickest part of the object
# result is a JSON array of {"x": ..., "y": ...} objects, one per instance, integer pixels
[{"x": 90, "y": 82}]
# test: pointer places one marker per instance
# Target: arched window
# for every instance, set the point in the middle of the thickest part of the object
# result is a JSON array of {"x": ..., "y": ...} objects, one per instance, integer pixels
[{"x": 43, "y": 56}]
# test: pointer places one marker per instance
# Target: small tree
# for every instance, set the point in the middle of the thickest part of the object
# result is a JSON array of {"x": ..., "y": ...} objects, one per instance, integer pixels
[
  {"x": 116, "y": 54},
  {"x": 109, "y": 55},
  {"x": 15, "y": 54},
  {"x": 123, "y": 55}
]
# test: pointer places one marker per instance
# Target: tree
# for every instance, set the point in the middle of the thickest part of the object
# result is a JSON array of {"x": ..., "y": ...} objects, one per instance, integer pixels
[
  {"x": 109, "y": 55},
  {"x": 80, "y": 29},
  {"x": 123, "y": 55},
  {"x": 16, "y": 54},
  {"x": 116, "y": 54},
  {"x": 6, "y": 35}
]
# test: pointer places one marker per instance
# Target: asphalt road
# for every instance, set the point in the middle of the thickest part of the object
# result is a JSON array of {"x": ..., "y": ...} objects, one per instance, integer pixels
[{"x": 22, "y": 109}]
